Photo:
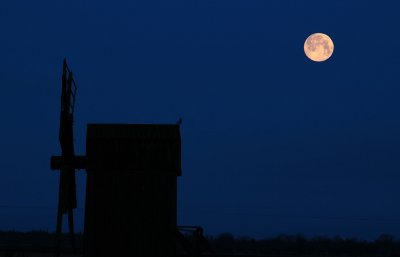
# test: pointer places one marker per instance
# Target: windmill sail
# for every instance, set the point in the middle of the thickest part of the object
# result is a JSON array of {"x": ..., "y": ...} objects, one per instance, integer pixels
[
  {"x": 65, "y": 163},
  {"x": 66, "y": 137}
]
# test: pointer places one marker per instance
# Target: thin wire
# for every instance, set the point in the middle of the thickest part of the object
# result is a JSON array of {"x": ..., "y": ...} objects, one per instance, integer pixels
[
  {"x": 4, "y": 206},
  {"x": 235, "y": 213},
  {"x": 283, "y": 216}
]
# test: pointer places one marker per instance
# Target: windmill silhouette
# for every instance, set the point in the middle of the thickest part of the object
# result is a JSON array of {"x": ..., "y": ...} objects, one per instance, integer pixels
[
  {"x": 67, "y": 162},
  {"x": 131, "y": 186}
]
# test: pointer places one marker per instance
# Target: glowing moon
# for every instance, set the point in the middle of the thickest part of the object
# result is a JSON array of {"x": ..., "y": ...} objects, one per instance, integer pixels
[{"x": 318, "y": 47}]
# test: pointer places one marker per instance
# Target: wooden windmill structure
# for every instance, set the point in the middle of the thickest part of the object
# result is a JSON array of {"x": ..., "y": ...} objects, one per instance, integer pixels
[
  {"x": 67, "y": 162},
  {"x": 131, "y": 186}
]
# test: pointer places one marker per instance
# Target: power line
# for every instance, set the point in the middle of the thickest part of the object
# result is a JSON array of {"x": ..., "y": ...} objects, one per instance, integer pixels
[
  {"x": 6, "y": 206},
  {"x": 285, "y": 216}
]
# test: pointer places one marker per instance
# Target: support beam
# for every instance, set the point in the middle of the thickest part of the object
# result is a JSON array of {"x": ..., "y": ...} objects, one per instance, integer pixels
[{"x": 77, "y": 162}]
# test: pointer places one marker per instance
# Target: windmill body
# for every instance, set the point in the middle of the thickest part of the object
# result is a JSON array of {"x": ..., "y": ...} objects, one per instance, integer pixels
[{"x": 131, "y": 186}]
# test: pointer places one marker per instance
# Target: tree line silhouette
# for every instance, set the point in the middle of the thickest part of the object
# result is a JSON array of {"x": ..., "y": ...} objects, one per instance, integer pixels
[
  {"x": 300, "y": 245},
  {"x": 226, "y": 243}
]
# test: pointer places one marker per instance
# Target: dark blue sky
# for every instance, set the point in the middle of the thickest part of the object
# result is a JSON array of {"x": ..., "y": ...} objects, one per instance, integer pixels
[{"x": 272, "y": 142}]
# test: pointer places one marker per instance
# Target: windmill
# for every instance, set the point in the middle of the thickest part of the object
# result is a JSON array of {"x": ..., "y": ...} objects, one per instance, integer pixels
[
  {"x": 142, "y": 161},
  {"x": 67, "y": 162}
]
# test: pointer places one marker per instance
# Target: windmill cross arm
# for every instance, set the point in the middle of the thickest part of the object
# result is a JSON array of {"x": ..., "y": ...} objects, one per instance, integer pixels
[{"x": 77, "y": 162}]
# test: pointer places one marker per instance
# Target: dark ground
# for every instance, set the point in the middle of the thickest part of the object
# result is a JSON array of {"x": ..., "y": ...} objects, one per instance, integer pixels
[{"x": 41, "y": 243}]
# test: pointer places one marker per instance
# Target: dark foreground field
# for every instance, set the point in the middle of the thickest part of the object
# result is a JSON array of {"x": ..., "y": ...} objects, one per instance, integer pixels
[{"x": 42, "y": 243}]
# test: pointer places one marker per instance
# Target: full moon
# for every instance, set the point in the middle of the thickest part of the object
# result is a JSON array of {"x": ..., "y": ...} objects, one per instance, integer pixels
[{"x": 318, "y": 47}]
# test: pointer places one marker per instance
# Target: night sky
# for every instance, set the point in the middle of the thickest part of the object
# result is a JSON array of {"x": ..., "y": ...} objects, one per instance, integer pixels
[{"x": 272, "y": 142}]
